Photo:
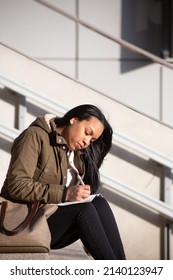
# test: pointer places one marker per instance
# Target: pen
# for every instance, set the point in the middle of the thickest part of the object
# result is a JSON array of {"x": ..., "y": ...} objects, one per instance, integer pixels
[
  {"x": 80, "y": 179},
  {"x": 75, "y": 169}
]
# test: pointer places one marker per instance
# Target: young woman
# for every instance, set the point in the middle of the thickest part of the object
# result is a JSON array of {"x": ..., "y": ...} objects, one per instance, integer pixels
[{"x": 57, "y": 160}]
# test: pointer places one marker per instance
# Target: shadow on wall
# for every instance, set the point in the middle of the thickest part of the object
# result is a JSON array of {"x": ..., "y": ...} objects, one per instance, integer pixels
[
  {"x": 5, "y": 145},
  {"x": 133, "y": 207},
  {"x": 141, "y": 26},
  {"x": 138, "y": 210},
  {"x": 145, "y": 164},
  {"x": 12, "y": 98}
]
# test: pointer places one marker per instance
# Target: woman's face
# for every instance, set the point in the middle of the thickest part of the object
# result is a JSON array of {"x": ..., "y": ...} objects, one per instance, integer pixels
[{"x": 79, "y": 134}]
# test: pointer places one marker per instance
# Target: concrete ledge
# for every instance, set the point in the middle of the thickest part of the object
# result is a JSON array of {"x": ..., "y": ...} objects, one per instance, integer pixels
[
  {"x": 72, "y": 252},
  {"x": 24, "y": 256}
]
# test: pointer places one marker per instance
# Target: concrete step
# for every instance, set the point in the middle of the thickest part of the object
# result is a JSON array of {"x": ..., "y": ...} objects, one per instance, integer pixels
[{"x": 73, "y": 252}]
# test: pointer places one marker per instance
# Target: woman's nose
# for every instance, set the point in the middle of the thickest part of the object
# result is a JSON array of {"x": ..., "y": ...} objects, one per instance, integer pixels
[{"x": 87, "y": 140}]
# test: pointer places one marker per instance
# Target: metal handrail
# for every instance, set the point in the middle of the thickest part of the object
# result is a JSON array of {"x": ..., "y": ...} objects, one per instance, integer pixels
[
  {"x": 143, "y": 149},
  {"x": 157, "y": 205},
  {"x": 29, "y": 93},
  {"x": 9, "y": 132},
  {"x": 121, "y": 42},
  {"x": 117, "y": 137}
]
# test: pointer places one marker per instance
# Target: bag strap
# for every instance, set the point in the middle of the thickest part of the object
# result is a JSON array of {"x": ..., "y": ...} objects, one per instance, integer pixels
[{"x": 23, "y": 225}]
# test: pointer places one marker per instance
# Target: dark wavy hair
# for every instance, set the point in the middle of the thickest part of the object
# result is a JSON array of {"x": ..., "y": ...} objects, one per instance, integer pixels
[{"x": 95, "y": 153}]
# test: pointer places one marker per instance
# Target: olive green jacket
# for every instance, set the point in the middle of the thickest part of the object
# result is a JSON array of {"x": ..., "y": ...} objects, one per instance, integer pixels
[{"x": 38, "y": 166}]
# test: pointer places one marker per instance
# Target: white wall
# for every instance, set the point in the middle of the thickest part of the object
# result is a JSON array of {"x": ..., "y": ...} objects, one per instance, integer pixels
[{"x": 81, "y": 53}]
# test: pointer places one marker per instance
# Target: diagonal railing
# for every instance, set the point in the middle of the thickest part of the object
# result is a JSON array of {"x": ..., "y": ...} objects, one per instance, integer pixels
[
  {"x": 117, "y": 137},
  {"x": 121, "y": 42}
]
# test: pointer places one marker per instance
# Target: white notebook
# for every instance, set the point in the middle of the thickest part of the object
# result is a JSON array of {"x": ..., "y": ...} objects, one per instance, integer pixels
[{"x": 88, "y": 199}]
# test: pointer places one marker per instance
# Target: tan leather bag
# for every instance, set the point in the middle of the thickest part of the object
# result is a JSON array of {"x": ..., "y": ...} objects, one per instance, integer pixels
[{"x": 24, "y": 228}]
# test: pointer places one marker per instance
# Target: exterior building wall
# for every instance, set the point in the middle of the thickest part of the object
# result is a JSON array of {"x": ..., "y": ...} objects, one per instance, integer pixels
[{"x": 80, "y": 53}]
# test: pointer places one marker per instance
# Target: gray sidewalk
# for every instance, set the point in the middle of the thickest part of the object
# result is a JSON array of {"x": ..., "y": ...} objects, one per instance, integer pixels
[{"x": 72, "y": 252}]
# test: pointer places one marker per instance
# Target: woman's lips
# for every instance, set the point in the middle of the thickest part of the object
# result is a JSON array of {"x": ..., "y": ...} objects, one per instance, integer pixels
[{"x": 80, "y": 146}]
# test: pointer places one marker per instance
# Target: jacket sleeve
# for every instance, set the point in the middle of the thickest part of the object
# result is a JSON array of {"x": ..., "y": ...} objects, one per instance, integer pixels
[{"x": 24, "y": 161}]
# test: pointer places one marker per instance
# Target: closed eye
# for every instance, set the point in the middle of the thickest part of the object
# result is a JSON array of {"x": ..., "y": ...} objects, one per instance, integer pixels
[{"x": 90, "y": 132}]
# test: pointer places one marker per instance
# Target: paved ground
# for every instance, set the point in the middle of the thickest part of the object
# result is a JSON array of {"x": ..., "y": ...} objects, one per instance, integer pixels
[{"x": 72, "y": 252}]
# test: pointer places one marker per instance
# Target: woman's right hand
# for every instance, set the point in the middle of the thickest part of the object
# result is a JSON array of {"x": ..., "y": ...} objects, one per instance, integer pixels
[{"x": 78, "y": 192}]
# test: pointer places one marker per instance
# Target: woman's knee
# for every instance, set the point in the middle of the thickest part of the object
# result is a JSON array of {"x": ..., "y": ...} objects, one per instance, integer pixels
[{"x": 100, "y": 201}]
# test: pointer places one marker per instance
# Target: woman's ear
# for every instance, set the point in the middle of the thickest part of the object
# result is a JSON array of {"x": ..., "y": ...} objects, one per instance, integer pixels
[{"x": 72, "y": 121}]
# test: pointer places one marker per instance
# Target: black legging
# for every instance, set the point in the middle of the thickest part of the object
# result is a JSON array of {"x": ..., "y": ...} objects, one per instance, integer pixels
[{"x": 93, "y": 223}]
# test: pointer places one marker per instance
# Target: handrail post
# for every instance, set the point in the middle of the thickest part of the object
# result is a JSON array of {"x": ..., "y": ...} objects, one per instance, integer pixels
[
  {"x": 21, "y": 111},
  {"x": 168, "y": 230}
]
